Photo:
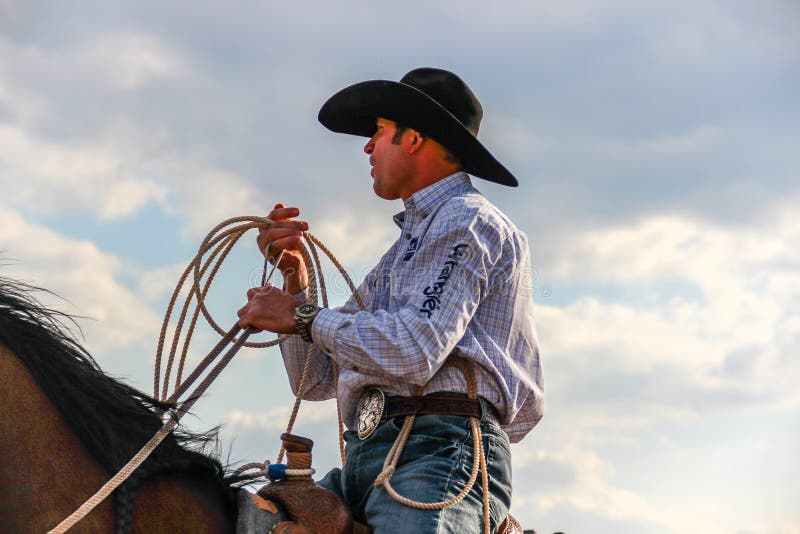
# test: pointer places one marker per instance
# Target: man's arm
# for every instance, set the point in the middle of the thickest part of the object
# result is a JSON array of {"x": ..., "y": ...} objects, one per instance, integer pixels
[
  {"x": 319, "y": 382},
  {"x": 274, "y": 310},
  {"x": 454, "y": 272},
  {"x": 451, "y": 276}
]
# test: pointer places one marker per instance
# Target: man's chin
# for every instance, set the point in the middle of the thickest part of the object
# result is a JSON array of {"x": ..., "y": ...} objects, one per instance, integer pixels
[{"x": 380, "y": 192}]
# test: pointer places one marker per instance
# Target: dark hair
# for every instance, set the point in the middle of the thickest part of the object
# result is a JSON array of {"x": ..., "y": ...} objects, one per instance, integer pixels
[
  {"x": 111, "y": 419},
  {"x": 401, "y": 129}
]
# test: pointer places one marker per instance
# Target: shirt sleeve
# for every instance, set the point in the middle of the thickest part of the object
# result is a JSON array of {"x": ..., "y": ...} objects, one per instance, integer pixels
[
  {"x": 427, "y": 316},
  {"x": 319, "y": 383}
]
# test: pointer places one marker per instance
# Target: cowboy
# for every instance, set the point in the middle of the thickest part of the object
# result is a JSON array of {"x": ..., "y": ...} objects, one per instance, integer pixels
[{"x": 454, "y": 286}]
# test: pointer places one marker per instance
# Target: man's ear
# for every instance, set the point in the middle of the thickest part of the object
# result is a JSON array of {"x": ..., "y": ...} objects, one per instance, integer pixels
[{"x": 416, "y": 140}]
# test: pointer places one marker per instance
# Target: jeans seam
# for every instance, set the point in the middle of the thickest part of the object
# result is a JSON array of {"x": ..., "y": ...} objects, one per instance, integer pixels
[
  {"x": 456, "y": 466},
  {"x": 489, "y": 450}
]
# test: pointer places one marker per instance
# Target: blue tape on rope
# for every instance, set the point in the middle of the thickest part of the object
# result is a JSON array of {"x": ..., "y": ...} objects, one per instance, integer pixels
[{"x": 276, "y": 471}]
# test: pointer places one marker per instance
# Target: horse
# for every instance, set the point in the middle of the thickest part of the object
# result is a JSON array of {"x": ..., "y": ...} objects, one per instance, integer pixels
[{"x": 66, "y": 427}]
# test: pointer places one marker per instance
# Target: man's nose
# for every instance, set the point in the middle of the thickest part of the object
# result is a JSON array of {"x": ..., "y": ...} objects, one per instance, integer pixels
[{"x": 368, "y": 148}]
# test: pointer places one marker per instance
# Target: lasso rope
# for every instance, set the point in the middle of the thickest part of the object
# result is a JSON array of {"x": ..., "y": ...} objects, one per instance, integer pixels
[
  {"x": 478, "y": 462},
  {"x": 220, "y": 240}
]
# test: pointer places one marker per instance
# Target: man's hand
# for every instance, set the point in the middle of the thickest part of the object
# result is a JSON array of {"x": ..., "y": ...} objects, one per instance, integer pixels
[
  {"x": 285, "y": 234},
  {"x": 269, "y": 308}
]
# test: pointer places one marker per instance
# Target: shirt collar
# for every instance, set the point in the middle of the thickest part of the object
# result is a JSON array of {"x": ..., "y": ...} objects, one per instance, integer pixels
[{"x": 426, "y": 200}]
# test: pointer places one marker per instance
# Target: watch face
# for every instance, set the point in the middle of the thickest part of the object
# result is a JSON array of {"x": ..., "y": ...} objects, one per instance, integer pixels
[{"x": 306, "y": 309}]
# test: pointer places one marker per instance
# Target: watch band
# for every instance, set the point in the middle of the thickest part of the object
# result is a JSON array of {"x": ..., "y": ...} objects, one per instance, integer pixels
[{"x": 303, "y": 317}]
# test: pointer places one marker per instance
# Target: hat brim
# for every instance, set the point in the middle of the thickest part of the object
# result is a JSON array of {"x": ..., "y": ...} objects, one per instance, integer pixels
[{"x": 354, "y": 109}]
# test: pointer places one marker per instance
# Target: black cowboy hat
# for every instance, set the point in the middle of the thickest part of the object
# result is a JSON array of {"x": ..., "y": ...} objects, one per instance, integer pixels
[{"x": 435, "y": 102}]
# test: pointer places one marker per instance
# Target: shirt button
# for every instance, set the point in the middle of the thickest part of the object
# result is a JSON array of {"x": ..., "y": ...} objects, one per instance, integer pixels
[{"x": 408, "y": 235}]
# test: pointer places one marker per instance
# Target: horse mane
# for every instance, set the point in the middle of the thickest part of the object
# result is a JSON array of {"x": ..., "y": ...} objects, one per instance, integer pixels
[{"x": 111, "y": 419}]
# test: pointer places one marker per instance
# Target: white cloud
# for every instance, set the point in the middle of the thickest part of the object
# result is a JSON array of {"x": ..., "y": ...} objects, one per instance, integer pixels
[
  {"x": 83, "y": 275},
  {"x": 127, "y": 60},
  {"x": 354, "y": 236},
  {"x": 238, "y": 421},
  {"x": 52, "y": 177},
  {"x": 119, "y": 61},
  {"x": 160, "y": 282},
  {"x": 209, "y": 195},
  {"x": 733, "y": 330},
  {"x": 128, "y": 195},
  {"x": 582, "y": 477},
  {"x": 661, "y": 247},
  {"x": 776, "y": 528},
  {"x": 105, "y": 172}
]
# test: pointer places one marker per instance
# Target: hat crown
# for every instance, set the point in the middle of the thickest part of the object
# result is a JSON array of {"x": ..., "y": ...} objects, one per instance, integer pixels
[{"x": 450, "y": 92}]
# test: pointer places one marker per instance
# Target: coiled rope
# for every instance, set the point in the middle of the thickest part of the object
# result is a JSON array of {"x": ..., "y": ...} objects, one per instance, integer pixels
[
  {"x": 479, "y": 460},
  {"x": 219, "y": 242}
]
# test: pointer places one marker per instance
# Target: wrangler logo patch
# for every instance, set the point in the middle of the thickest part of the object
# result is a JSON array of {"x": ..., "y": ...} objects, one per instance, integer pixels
[
  {"x": 412, "y": 248},
  {"x": 433, "y": 293}
]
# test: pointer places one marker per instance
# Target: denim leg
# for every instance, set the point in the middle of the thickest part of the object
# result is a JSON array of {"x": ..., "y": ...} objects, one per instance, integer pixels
[
  {"x": 467, "y": 516},
  {"x": 435, "y": 466},
  {"x": 333, "y": 481}
]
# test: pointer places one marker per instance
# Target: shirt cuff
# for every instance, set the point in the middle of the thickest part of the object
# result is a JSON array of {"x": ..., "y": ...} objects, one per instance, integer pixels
[
  {"x": 324, "y": 327},
  {"x": 301, "y": 296}
]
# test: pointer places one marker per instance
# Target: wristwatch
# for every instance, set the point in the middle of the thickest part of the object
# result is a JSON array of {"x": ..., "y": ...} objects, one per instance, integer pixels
[{"x": 303, "y": 317}]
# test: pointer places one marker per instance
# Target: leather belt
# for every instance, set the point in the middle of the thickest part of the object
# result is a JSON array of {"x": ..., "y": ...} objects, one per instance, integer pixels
[
  {"x": 374, "y": 408},
  {"x": 432, "y": 404}
]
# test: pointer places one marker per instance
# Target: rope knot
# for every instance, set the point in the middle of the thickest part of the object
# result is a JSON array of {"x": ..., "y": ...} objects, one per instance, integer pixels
[
  {"x": 384, "y": 476},
  {"x": 276, "y": 471},
  {"x": 260, "y": 468}
]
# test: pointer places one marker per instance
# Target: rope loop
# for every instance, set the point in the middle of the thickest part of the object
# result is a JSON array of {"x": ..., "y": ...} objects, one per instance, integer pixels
[
  {"x": 384, "y": 476},
  {"x": 216, "y": 246},
  {"x": 258, "y": 468},
  {"x": 478, "y": 464}
]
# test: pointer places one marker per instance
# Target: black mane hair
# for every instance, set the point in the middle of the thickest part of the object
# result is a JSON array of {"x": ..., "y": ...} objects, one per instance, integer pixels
[{"x": 111, "y": 419}]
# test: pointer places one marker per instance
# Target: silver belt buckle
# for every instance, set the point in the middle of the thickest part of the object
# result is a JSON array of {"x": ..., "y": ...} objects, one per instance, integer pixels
[{"x": 370, "y": 411}]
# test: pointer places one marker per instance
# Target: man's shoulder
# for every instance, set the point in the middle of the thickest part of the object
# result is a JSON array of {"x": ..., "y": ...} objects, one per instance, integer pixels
[{"x": 474, "y": 210}]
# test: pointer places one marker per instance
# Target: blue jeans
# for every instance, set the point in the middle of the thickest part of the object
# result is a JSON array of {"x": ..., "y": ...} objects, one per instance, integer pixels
[{"x": 435, "y": 466}]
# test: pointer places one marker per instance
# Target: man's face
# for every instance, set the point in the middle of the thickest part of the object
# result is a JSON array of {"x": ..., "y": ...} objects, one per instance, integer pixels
[{"x": 390, "y": 162}]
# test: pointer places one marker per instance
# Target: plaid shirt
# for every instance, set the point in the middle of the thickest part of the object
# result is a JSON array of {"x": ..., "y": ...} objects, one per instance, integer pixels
[{"x": 458, "y": 277}]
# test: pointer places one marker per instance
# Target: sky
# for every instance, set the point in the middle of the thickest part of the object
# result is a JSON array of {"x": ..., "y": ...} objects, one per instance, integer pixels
[{"x": 658, "y": 188}]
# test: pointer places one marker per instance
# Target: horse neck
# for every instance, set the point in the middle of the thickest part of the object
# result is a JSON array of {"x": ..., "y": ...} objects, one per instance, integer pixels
[
  {"x": 46, "y": 473},
  {"x": 42, "y": 461}
]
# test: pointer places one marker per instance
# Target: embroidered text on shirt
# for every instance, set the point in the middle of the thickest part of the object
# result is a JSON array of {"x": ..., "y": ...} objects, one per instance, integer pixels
[
  {"x": 433, "y": 292},
  {"x": 412, "y": 248}
]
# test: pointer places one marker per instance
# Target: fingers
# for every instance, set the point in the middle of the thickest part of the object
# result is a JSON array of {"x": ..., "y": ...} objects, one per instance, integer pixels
[
  {"x": 256, "y": 291},
  {"x": 283, "y": 235},
  {"x": 289, "y": 243},
  {"x": 283, "y": 228},
  {"x": 276, "y": 245},
  {"x": 246, "y": 319},
  {"x": 248, "y": 313},
  {"x": 279, "y": 213},
  {"x": 242, "y": 314}
]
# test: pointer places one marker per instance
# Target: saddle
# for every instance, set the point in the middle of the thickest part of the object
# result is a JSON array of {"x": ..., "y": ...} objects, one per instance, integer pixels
[
  {"x": 260, "y": 516},
  {"x": 295, "y": 504}
]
